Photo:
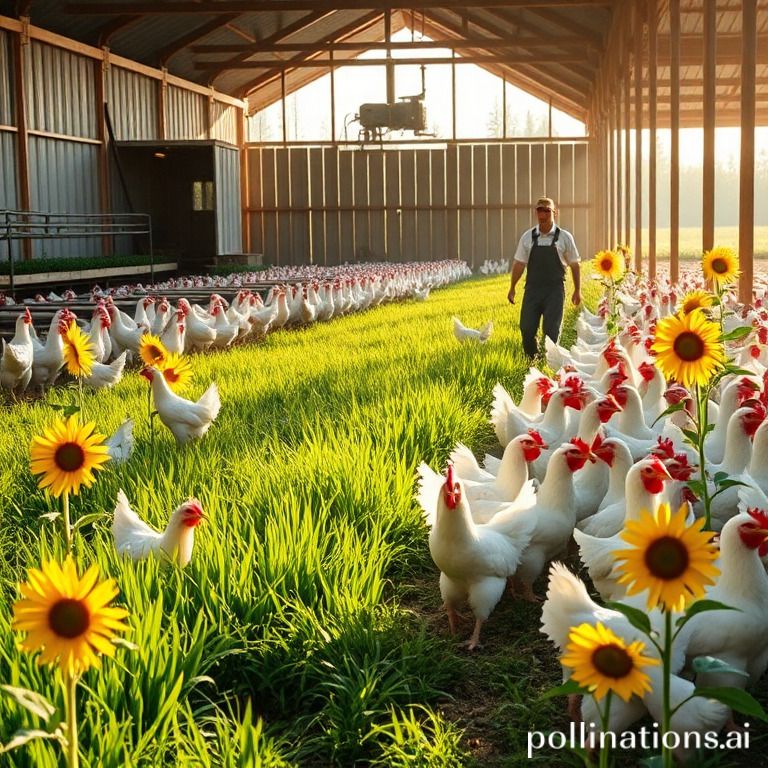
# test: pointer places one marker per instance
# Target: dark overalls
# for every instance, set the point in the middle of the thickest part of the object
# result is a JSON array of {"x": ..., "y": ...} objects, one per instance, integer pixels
[{"x": 544, "y": 294}]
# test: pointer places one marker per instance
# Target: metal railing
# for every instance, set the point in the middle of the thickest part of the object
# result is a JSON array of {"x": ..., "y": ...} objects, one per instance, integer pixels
[{"x": 40, "y": 225}]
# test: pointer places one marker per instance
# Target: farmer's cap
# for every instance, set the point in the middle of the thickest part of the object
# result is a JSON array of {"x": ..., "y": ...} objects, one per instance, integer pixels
[{"x": 545, "y": 202}]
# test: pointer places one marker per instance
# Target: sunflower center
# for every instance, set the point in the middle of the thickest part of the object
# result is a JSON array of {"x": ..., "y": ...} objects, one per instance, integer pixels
[
  {"x": 69, "y": 457},
  {"x": 667, "y": 558},
  {"x": 606, "y": 265},
  {"x": 719, "y": 265},
  {"x": 69, "y": 618},
  {"x": 170, "y": 375},
  {"x": 689, "y": 346},
  {"x": 154, "y": 354},
  {"x": 690, "y": 305},
  {"x": 612, "y": 661}
]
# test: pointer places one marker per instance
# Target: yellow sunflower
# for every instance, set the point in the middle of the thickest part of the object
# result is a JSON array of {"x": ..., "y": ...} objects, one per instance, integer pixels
[
  {"x": 177, "y": 371},
  {"x": 151, "y": 350},
  {"x": 66, "y": 455},
  {"x": 608, "y": 264},
  {"x": 603, "y": 662},
  {"x": 67, "y": 618},
  {"x": 688, "y": 348},
  {"x": 673, "y": 561},
  {"x": 692, "y": 300},
  {"x": 78, "y": 351},
  {"x": 721, "y": 265}
]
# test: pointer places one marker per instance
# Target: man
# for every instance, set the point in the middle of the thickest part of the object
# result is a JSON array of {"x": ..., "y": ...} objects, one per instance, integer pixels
[{"x": 546, "y": 251}]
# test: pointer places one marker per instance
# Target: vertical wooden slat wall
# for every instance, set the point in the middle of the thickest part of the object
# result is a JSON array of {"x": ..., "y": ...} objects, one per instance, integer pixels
[{"x": 328, "y": 205}]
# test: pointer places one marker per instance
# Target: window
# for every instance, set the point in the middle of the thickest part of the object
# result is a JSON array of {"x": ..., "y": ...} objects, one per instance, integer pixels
[{"x": 202, "y": 196}]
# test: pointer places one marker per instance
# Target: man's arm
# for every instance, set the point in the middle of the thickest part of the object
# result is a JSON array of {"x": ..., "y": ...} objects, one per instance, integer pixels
[
  {"x": 518, "y": 267},
  {"x": 576, "y": 272}
]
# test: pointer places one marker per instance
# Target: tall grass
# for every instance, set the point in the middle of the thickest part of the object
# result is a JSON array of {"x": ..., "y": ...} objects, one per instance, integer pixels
[{"x": 283, "y": 642}]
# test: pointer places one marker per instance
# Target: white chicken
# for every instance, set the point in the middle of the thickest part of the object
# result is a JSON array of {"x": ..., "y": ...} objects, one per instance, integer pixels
[
  {"x": 48, "y": 358},
  {"x": 133, "y": 537},
  {"x": 186, "y": 419},
  {"x": 104, "y": 375},
  {"x": 199, "y": 335},
  {"x": 462, "y": 333},
  {"x": 226, "y": 332},
  {"x": 17, "y": 356},
  {"x": 475, "y": 561},
  {"x": 120, "y": 445}
]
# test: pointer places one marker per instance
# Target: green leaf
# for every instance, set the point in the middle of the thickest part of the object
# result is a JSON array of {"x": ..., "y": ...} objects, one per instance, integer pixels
[
  {"x": 67, "y": 410},
  {"x": 692, "y": 436},
  {"x": 711, "y": 664},
  {"x": 736, "y": 371},
  {"x": 669, "y": 411},
  {"x": 701, "y": 606},
  {"x": 697, "y": 486},
  {"x": 566, "y": 689},
  {"x": 725, "y": 485},
  {"x": 637, "y": 618},
  {"x": 24, "y": 735},
  {"x": 736, "y": 699},
  {"x": 737, "y": 333},
  {"x": 31, "y": 701},
  {"x": 88, "y": 519},
  {"x": 719, "y": 476}
]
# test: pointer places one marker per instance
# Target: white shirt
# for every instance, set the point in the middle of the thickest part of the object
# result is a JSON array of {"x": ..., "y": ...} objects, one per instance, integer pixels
[{"x": 566, "y": 246}]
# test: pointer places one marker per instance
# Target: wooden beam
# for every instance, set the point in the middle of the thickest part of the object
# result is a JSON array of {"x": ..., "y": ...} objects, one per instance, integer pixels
[
  {"x": 245, "y": 6},
  {"x": 652, "y": 24},
  {"x": 709, "y": 107},
  {"x": 674, "y": 151},
  {"x": 114, "y": 26},
  {"x": 627, "y": 141},
  {"x": 99, "y": 76},
  {"x": 328, "y": 63},
  {"x": 569, "y": 26},
  {"x": 165, "y": 54},
  {"x": 297, "y": 26},
  {"x": 747, "y": 150},
  {"x": 488, "y": 43},
  {"x": 350, "y": 29}
]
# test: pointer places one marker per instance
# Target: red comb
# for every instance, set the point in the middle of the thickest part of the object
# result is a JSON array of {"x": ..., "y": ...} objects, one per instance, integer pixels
[
  {"x": 665, "y": 448},
  {"x": 536, "y": 437},
  {"x": 580, "y": 444},
  {"x": 647, "y": 371}
]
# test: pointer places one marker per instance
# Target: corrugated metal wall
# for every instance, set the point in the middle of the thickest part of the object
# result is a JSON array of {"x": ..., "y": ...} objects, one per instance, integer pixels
[
  {"x": 6, "y": 81},
  {"x": 61, "y": 92},
  {"x": 63, "y": 179},
  {"x": 132, "y": 100},
  {"x": 229, "y": 237},
  {"x": 185, "y": 114},
  {"x": 473, "y": 201},
  {"x": 223, "y": 122}
]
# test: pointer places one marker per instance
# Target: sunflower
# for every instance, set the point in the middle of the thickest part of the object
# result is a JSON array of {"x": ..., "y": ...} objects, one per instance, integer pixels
[
  {"x": 68, "y": 618},
  {"x": 603, "y": 662},
  {"x": 78, "y": 351},
  {"x": 151, "y": 350},
  {"x": 688, "y": 348},
  {"x": 673, "y": 561},
  {"x": 721, "y": 265},
  {"x": 697, "y": 299},
  {"x": 608, "y": 264},
  {"x": 66, "y": 456},
  {"x": 177, "y": 371}
]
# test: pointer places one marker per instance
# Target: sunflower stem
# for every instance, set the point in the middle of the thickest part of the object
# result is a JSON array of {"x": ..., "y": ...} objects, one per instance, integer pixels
[
  {"x": 80, "y": 393},
  {"x": 604, "y": 715},
  {"x": 702, "y": 397},
  {"x": 666, "y": 716},
  {"x": 67, "y": 526},
  {"x": 70, "y": 685}
]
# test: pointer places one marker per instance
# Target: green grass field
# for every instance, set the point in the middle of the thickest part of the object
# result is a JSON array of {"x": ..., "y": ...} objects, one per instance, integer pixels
[
  {"x": 690, "y": 241},
  {"x": 307, "y": 629}
]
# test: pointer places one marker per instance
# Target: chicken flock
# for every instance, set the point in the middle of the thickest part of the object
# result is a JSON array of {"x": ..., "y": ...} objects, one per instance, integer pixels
[{"x": 584, "y": 452}]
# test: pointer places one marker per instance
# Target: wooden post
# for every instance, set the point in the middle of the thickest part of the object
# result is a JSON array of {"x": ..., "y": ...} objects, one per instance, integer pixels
[
  {"x": 674, "y": 129},
  {"x": 747, "y": 159},
  {"x": 162, "y": 95},
  {"x": 20, "y": 52},
  {"x": 652, "y": 25},
  {"x": 638, "y": 30},
  {"x": 99, "y": 76},
  {"x": 627, "y": 143},
  {"x": 709, "y": 96},
  {"x": 245, "y": 180}
]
